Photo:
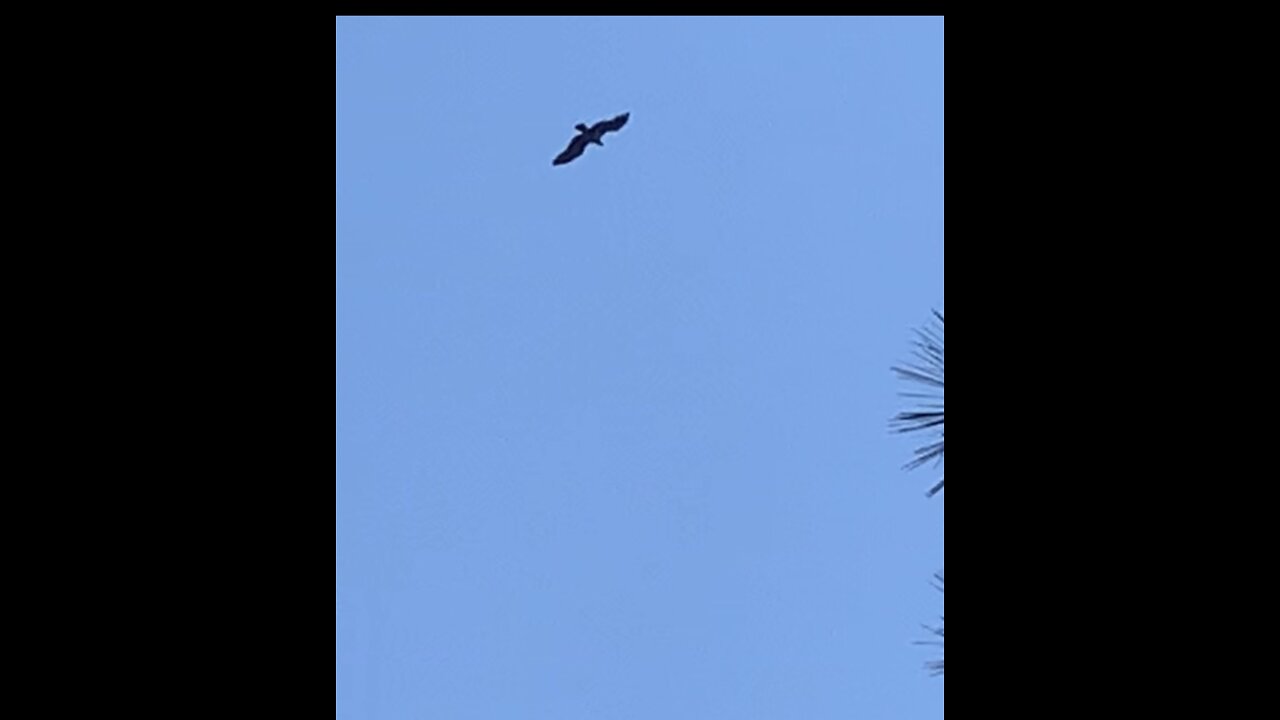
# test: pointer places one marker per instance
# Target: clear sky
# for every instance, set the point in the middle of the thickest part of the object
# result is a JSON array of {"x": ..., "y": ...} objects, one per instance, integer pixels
[{"x": 612, "y": 437}]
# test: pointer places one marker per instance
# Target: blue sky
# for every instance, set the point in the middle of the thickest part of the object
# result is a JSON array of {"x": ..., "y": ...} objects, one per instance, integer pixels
[{"x": 612, "y": 437}]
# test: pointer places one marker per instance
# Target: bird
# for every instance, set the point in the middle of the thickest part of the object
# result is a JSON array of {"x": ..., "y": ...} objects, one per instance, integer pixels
[{"x": 588, "y": 135}]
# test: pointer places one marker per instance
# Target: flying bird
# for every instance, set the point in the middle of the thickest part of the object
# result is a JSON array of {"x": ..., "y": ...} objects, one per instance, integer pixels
[{"x": 588, "y": 135}]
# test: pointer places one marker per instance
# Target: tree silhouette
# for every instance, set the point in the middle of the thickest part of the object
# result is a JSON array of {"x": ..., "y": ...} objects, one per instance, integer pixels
[
  {"x": 928, "y": 413},
  {"x": 935, "y": 666},
  {"x": 926, "y": 416}
]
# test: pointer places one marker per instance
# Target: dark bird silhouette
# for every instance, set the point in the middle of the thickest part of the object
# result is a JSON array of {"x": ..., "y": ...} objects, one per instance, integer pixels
[{"x": 588, "y": 135}]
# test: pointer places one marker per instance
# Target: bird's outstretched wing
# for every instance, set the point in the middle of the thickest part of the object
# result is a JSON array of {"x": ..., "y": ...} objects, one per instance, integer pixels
[
  {"x": 576, "y": 146},
  {"x": 605, "y": 126}
]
